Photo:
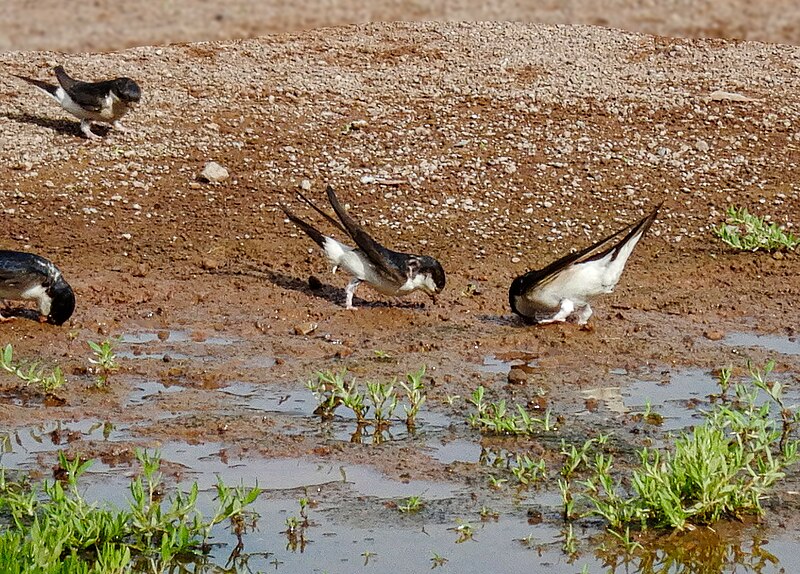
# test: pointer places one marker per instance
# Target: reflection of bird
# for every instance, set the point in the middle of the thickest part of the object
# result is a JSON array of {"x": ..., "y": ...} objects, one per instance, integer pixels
[
  {"x": 105, "y": 101},
  {"x": 387, "y": 271},
  {"x": 28, "y": 276},
  {"x": 561, "y": 291}
]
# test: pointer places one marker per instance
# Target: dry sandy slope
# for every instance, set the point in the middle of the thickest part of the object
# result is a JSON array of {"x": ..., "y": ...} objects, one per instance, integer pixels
[{"x": 495, "y": 147}]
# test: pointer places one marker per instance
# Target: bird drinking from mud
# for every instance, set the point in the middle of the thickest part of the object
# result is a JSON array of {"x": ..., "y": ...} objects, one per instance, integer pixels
[
  {"x": 105, "y": 101},
  {"x": 561, "y": 291},
  {"x": 25, "y": 276},
  {"x": 388, "y": 272}
]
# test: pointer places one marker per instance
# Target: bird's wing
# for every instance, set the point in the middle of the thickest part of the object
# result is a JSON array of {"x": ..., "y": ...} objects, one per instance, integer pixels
[
  {"x": 611, "y": 253},
  {"x": 23, "y": 270},
  {"x": 324, "y": 214},
  {"x": 88, "y": 95},
  {"x": 382, "y": 258}
]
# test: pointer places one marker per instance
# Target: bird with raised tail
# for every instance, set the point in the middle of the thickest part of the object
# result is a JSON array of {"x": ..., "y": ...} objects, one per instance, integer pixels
[
  {"x": 105, "y": 101},
  {"x": 561, "y": 291},
  {"x": 388, "y": 272},
  {"x": 25, "y": 276}
]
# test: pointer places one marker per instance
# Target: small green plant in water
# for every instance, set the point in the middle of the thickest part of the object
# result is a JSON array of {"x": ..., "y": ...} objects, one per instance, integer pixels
[
  {"x": 51, "y": 528},
  {"x": 489, "y": 515},
  {"x": 496, "y": 483},
  {"x": 328, "y": 389},
  {"x": 415, "y": 394},
  {"x": 438, "y": 561},
  {"x": 570, "y": 544},
  {"x": 528, "y": 471},
  {"x": 722, "y": 468},
  {"x": 496, "y": 418},
  {"x": 373, "y": 406},
  {"x": 748, "y": 232},
  {"x": 465, "y": 531},
  {"x": 411, "y": 504},
  {"x": 104, "y": 361},
  {"x": 32, "y": 373}
]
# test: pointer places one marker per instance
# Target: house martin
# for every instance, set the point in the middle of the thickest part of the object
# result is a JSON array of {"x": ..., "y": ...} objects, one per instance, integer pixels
[
  {"x": 561, "y": 291},
  {"x": 25, "y": 276},
  {"x": 105, "y": 101},
  {"x": 388, "y": 272}
]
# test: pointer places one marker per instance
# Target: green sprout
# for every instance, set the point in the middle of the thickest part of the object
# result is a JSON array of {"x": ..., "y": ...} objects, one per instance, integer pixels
[
  {"x": 748, "y": 232},
  {"x": 411, "y": 504},
  {"x": 32, "y": 373},
  {"x": 51, "y": 527},
  {"x": 438, "y": 561},
  {"x": 104, "y": 361},
  {"x": 415, "y": 394},
  {"x": 722, "y": 468},
  {"x": 495, "y": 417}
]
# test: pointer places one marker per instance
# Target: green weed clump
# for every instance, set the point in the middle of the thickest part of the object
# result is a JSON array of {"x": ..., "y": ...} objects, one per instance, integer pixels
[
  {"x": 373, "y": 405},
  {"x": 748, "y": 232},
  {"x": 104, "y": 362},
  {"x": 721, "y": 469},
  {"x": 52, "y": 529},
  {"x": 31, "y": 373},
  {"x": 496, "y": 418}
]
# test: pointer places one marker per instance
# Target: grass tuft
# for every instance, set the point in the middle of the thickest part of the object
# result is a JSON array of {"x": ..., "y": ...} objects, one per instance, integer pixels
[
  {"x": 747, "y": 232},
  {"x": 32, "y": 373},
  {"x": 51, "y": 529},
  {"x": 721, "y": 469}
]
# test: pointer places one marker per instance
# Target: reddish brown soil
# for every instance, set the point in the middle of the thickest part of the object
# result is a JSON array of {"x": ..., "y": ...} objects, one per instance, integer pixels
[{"x": 149, "y": 248}]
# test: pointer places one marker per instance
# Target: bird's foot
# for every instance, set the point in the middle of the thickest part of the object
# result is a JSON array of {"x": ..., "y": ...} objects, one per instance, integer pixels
[
  {"x": 86, "y": 128},
  {"x": 119, "y": 127},
  {"x": 350, "y": 292},
  {"x": 43, "y": 318}
]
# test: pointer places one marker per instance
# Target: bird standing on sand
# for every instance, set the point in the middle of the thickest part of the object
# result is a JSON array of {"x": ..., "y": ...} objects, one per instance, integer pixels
[
  {"x": 388, "y": 272},
  {"x": 25, "y": 276},
  {"x": 561, "y": 291},
  {"x": 105, "y": 101}
]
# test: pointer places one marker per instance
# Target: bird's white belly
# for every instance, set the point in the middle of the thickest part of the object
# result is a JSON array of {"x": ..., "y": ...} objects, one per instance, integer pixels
[
  {"x": 37, "y": 293},
  {"x": 111, "y": 109},
  {"x": 357, "y": 265}
]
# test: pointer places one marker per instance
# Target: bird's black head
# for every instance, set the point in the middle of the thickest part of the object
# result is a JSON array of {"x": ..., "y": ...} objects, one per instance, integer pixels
[
  {"x": 63, "y": 302},
  {"x": 515, "y": 291},
  {"x": 127, "y": 90},
  {"x": 437, "y": 272},
  {"x": 433, "y": 272}
]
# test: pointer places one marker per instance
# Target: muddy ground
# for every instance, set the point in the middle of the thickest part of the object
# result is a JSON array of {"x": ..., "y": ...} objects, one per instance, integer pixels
[{"x": 494, "y": 147}]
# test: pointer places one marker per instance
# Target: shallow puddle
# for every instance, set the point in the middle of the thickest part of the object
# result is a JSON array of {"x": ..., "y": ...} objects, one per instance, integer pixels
[
  {"x": 149, "y": 390},
  {"x": 678, "y": 398},
  {"x": 21, "y": 447},
  {"x": 173, "y": 336},
  {"x": 779, "y": 344},
  {"x": 457, "y": 450},
  {"x": 354, "y": 523},
  {"x": 301, "y": 404},
  {"x": 502, "y": 364},
  {"x": 168, "y": 345}
]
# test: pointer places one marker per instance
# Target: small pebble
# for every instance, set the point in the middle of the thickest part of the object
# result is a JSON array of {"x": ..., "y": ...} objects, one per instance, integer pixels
[{"x": 213, "y": 173}]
